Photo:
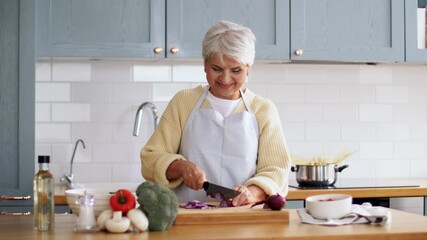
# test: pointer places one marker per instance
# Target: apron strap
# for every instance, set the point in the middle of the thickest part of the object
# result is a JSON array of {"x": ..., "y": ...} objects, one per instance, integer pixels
[
  {"x": 245, "y": 102},
  {"x": 205, "y": 93}
]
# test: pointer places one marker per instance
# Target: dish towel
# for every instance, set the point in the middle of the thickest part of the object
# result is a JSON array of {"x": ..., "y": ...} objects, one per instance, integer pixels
[{"x": 364, "y": 213}]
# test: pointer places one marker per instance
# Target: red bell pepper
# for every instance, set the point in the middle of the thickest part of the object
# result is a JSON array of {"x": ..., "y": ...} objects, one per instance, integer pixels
[{"x": 123, "y": 200}]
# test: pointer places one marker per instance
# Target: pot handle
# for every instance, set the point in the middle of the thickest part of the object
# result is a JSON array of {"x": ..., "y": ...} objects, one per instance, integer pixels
[
  {"x": 294, "y": 169},
  {"x": 339, "y": 169}
]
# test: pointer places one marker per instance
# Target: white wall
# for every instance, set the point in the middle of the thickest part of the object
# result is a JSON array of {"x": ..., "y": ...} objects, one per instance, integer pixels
[{"x": 380, "y": 111}]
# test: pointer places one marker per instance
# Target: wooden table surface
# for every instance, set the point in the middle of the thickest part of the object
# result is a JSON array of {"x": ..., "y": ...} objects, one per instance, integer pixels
[
  {"x": 299, "y": 194},
  {"x": 403, "y": 226}
]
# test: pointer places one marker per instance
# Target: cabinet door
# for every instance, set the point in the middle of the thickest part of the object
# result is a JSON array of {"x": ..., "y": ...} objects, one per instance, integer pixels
[
  {"x": 413, "y": 52},
  {"x": 17, "y": 85},
  {"x": 347, "y": 30},
  {"x": 100, "y": 28},
  {"x": 188, "y": 21}
]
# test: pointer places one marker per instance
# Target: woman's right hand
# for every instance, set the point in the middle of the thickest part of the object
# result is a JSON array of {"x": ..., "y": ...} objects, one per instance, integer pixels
[{"x": 192, "y": 175}]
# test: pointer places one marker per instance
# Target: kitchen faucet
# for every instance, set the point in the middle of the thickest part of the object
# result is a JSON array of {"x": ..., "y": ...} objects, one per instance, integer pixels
[
  {"x": 70, "y": 177},
  {"x": 139, "y": 115}
]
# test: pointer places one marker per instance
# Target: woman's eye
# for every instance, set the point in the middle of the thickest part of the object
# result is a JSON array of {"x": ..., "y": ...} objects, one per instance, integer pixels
[
  {"x": 237, "y": 70},
  {"x": 216, "y": 69}
]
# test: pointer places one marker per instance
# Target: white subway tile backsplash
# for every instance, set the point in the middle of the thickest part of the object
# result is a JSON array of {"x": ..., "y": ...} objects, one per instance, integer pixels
[
  {"x": 92, "y": 172},
  {"x": 410, "y": 113},
  {"x": 358, "y": 131},
  {"x": 294, "y": 131},
  {"x": 341, "y": 112},
  {"x": 71, "y": 71},
  {"x": 286, "y": 94},
  {"x": 390, "y": 168},
  {"x": 112, "y": 152},
  {"x": 151, "y": 73},
  {"x": 188, "y": 73},
  {"x": 303, "y": 113},
  {"x": 106, "y": 71},
  {"x": 112, "y": 112},
  {"x": 358, "y": 94},
  {"x": 62, "y": 153},
  {"x": 71, "y": 112},
  {"x": 322, "y": 94},
  {"x": 418, "y": 95},
  {"x": 392, "y": 94},
  {"x": 410, "y": 150},
  {"x": 409, "y": 75},
  {"x": 378, "y": 74},
  {"x": 393, "y": 131},
  {"x": 323, "y": 131},
  {"x": 376, "y": 150},
  {"x": 53, "y": 92},
  {"x": 43, "y": 71},
  {"x": 268, "y": 74},
  {"x": 91, "y": 92},
  {"x": 418, "y": 131},
  {"x": 418, "y": 168},
  {"x": 52, "y": 132},
  {"x": 131, "y": 92},
  {"x": 127, "y": 173},
  {"x": 376, "y": 112},
  {"x": 92, "y": 132},
  {"x": 163, "y": 92},
  {"x": 43, "y": 112}
]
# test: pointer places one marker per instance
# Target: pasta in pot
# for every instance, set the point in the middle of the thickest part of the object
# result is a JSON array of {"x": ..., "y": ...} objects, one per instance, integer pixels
[{"x": 321, "y": 159}]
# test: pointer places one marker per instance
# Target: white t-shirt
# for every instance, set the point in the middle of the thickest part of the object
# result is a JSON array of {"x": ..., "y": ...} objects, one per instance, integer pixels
[{"x": 224, "y": 106}]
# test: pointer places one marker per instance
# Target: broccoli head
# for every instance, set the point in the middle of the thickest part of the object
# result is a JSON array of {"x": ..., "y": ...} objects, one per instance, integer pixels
[{"x": 159, "y": 203}]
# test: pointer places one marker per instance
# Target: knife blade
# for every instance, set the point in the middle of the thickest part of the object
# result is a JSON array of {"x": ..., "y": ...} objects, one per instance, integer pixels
[{"x": 212, "y": 189}]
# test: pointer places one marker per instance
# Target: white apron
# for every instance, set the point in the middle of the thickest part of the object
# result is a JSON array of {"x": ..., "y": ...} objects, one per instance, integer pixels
[{"x": 225, "y": 149}]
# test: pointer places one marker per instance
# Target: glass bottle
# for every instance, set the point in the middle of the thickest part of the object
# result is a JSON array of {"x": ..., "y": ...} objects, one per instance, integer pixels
[{"x": 43, "y": 196}]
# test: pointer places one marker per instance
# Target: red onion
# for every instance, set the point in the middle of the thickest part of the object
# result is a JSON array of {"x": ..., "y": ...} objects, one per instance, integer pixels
[{"x": 273, "y": 202}]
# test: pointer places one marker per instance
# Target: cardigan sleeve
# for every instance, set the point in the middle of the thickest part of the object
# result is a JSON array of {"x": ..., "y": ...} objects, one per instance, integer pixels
[
  {"x": 273, "y": 161},
  {"x": 163, "y": 146}
]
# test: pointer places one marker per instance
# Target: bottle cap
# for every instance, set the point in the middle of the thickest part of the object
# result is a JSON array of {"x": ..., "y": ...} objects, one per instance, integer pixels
[{"x": 44, "y": 159}]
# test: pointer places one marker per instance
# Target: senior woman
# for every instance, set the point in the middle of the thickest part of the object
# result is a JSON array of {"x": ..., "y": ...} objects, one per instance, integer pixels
[{"x": 221, "y": 132}]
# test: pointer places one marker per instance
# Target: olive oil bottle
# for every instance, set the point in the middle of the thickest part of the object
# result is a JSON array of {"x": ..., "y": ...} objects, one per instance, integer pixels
[{"x": 43, "y": 196}]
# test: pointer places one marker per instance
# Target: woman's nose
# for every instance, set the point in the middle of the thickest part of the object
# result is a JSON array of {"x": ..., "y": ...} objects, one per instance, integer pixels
[{"x": 225, "y": 77}]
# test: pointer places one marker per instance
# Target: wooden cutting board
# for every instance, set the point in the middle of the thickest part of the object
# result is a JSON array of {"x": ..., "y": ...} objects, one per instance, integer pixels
[{"x": 243, "y": 214}]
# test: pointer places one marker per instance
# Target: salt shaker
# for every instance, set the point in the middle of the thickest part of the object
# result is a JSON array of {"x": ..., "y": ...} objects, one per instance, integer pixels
[{"x": 86, "y": 220}]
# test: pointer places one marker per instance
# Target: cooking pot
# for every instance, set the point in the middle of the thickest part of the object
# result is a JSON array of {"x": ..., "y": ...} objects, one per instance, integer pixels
[{"x": 317, "y": 175}]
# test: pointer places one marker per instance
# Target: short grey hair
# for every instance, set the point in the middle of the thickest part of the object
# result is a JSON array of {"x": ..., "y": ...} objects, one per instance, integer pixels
[{"x": 229, "y": 39}]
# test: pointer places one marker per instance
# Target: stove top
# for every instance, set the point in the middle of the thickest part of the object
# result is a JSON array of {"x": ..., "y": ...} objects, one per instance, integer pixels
[{"x": 360, "y": 183}]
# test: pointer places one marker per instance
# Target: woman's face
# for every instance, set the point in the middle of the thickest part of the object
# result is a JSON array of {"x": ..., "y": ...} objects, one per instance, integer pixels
[{"x": 226, "y": 77}]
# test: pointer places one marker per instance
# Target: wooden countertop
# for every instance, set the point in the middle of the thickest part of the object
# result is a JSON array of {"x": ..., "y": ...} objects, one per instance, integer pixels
[
  {"x": 299, "y": 194},
  {"x": 403, "y": 226}
]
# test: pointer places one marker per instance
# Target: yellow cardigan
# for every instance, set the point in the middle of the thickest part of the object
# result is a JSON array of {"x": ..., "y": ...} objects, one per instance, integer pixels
[{"x": 273, "y": 157}]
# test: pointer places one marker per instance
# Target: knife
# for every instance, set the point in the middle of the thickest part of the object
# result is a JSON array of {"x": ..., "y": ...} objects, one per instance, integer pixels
[{"x": 212, "y": 189}]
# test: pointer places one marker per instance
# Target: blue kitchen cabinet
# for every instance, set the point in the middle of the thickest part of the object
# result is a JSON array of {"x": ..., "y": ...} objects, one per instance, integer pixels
[
  {"x": 188, "y": 20},
  {"x": 17, "y": 84},
  {"x": 413, "y": 52},
  {"x": 347, "y": 30},
  {"x": 101, "y": 28},
  {"x": 140, "y": 28}
]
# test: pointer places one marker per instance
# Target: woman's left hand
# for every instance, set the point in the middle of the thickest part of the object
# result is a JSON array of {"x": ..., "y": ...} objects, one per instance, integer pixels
[{"x": 248, "y": 195}]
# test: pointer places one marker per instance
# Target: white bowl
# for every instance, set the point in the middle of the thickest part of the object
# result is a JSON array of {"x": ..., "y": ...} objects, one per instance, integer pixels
[
  {"x": 102, "y": 199},
  {"x": 329, "y": 206}
]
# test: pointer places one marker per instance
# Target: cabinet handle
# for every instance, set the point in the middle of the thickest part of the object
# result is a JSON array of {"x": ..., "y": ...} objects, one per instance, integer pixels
[
  {"x": 174, "y": 50},
  {"x": 158, "y": 50},
  {"x": 4, "y": 197},
  {"x": 15, "y": 213},
  {"x": 299, "y": 52}
]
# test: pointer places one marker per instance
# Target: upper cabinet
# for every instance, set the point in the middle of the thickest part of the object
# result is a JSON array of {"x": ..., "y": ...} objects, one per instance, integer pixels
[
  {"x": 138, "y": 28},
  {"x": 17, "y": 70},
  {"x": 100, "y": 28},
  {"x": 188, "y": 20},
  {"x": 347, "y": 30},
  {"x": 416, "y": 50},
  {"x": 286, "y": 30}
]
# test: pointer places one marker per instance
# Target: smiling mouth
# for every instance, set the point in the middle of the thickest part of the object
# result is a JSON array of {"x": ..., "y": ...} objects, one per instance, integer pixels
[{"x": 225, "y": 86}]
